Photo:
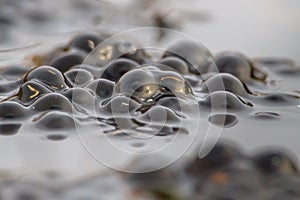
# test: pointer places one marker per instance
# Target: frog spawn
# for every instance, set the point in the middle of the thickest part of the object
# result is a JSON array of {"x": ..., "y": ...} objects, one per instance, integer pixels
[
  {"x": 89, "y": 87},
  {"x": 47, "y": 93},
  {"x": 140, "y": 92}
]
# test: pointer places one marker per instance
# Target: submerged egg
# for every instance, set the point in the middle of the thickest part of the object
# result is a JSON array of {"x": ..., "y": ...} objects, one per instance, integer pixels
[
  {"x": 224, "y": 101},
  {"x": 133, "y": 83},
  {"x": 130, "y": 50},
  {"x": 118, "y": 106},
  {"x": 102, "y": 88},
  {"x": 234, "y": 63},
  {"x": 86, "y": 42},
  {"x": 197, "y": 57},
  {"x": 111, "y": 50},
  {"x": 10, "y": 110},
  {"x": 32, "y": 90},
  {"x": 225, "y": 82},
  {"x": 82, "y": 99},
  {"x": 47, "y": 75},
  {"x": 55, "y": 121},
  {"x": 78, "y": 77},
  {"x": 64, "y": 62},
  {"x": 175, "y": 63},
  {"x": 152, "y": 83},
  {"x": 159, "y": 115},
  {"x": 52, "y": 101},
  {"x": 117, "y": 68}
]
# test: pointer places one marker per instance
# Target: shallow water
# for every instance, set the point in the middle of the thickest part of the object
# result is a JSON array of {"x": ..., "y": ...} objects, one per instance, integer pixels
[{"x": 41, "y": 134}]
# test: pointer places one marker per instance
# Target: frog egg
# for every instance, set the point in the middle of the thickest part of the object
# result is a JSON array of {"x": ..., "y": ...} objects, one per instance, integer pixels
[
  {"x": 118, "y": 106},
  {"x": 117, "y": 68},
  {"x": 225, "y": 82},
  {"x": 102, "y": 88},
  {"x": 78, "y": 77},
  {"x": 52, "y": 101},
  {"x": 139, "y": 83},
  {"x": 47, "y": 75},
  {"x": 30, "y": 91},
  {"x": 86, "y": 42},
  {"x": 197, "y": 57},
  {"x": 224, "y": 101},
  {"x": 55, "y": 121},
  {"x": 151, "y": 83},
  {"x": 175, "y": 63},
  {"x": 10, "y": 110},
  {"x": 67, "y": 60},
  {"x": 234, "y": 63}
]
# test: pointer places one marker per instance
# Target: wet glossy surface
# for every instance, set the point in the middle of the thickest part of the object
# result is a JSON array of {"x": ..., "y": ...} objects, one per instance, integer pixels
[{"x": 65, "y": 98}]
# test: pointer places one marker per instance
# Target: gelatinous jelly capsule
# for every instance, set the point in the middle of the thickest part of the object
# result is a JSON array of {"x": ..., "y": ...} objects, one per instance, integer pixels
[
  {"x": 9, "y": 129},
  {"x": 221, "y": 155},
  {"x": 130, "y": 50},
  {"x": 64, "y": 62},
  {"x": 234, "y": 63},
  {"x": 119, "y": 106},
  {"x": 10, "y": 110},
  {"x": 134, "y": 81},
  {"x": 275, "y": 162},
  {"x": 176, "y": 64},
  {"x": 86, "y": 42},
  {"x": 171, "y": 102},
  {"x": 81, "y": 98},
  {"x": 13, "y": 72},
  {"x": 197, "y": 57},
  {"x": 32, "y": 90},
  {"x": 52, "y": 101},
  {"x": 117, "y": 68},
  {"x": 102, "y": 88},
  {"x": 47, "y": 75},
  {"x": 227, "y": 82},
  {"x": 94, "y": 70},
  {"x": 78, "y": 77},
  {"x": 151, "y": 83},
  {"x": 224, "y": 101},
  {"x": 111, "y": 50},
  {"x": 159, "y": 115},
  {"x": 174, "y": 83},
  {"x": 54, "y": 121},
  {"x": 224, "y": 120}
]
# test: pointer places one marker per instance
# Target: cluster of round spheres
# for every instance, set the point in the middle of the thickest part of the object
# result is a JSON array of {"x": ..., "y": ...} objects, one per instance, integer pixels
[{"x": 92, "y": 78}]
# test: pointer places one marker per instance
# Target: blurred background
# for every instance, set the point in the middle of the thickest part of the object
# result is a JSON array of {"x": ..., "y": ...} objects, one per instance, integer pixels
[{"x": 258, "y": 28}]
